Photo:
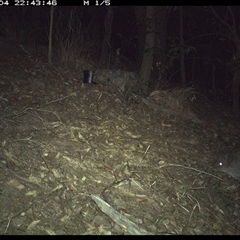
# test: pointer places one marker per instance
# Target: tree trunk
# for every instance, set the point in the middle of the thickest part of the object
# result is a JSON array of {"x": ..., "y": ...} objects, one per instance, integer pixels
[
  {"x": 50, "y": 36},
  {"x": 140, "y": 14},
  {"x": 147, "y": 61},
  {"x": 182, "y": 59},
  {"x": 236, "y": 84},
  {"x": 160, "y": 46},
  {"x": 106, "y": 47}
]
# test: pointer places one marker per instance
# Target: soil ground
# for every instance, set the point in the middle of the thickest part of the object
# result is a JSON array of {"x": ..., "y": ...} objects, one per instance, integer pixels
[{"x": 68, "y": 148}]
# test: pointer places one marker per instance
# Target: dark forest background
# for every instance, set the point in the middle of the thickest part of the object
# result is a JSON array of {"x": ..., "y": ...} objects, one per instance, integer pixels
[{"x": 167, "y": 46}]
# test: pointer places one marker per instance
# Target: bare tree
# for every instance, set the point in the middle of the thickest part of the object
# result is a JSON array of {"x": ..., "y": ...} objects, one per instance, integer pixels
[
  {"x": 140, "y": 15},
  {"x": 147, "y": 61},
  {"x": 50, "y": 36},
  {"x": 182, "y": 63},
  {"x": 160, "y": 46},
  {"x": 106, "y": 47},
  {"x": 231, "y": 31}
]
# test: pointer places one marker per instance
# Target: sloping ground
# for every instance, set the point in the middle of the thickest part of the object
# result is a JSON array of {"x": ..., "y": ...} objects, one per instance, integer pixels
[{"x": 65, "y": 145}]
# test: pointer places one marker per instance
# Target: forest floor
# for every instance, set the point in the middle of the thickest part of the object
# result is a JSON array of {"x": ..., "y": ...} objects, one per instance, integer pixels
[{"x": 88, "y": 159}]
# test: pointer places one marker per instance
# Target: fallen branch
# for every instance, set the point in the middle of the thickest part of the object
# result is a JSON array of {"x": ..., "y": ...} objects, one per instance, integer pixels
[{"x": 118, "y": 218}]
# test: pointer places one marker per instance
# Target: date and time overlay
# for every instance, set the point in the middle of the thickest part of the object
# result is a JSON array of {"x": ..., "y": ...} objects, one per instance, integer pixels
[{"x": 22, "y": 3}]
